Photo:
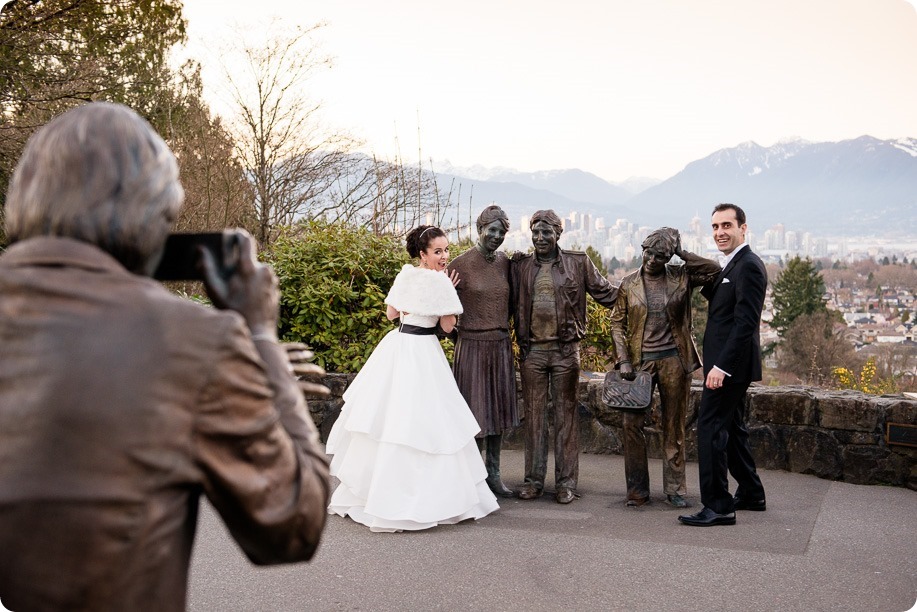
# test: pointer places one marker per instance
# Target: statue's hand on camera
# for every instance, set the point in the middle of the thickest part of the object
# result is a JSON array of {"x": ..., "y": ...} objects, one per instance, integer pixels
[{"x": 308, "y": 375}]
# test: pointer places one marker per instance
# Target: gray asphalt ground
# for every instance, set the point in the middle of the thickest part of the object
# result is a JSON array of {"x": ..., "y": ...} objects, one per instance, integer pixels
[{"x": 820, "y": 545}]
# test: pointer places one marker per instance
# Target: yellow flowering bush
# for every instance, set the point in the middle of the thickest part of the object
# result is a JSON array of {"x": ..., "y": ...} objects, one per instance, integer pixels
[{"x": 866, "y": 381}]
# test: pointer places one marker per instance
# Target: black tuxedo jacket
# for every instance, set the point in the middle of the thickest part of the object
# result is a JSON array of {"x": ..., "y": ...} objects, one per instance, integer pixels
[{"x": 731, "y": 340}]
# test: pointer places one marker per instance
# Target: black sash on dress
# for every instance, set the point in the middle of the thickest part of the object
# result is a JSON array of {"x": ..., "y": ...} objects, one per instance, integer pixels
[{"x": 416, "y": 330}]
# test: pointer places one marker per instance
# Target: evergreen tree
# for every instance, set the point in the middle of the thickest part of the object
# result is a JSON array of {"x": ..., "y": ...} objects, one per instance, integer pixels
[
  {"x": 799, "y": 290},
  {"x": 57, "y": 54},
  {"x": 593, "y": 254}
]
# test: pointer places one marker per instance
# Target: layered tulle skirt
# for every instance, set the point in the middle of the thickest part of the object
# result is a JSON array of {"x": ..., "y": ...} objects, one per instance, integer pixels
[{"x": 403, "y": 446}]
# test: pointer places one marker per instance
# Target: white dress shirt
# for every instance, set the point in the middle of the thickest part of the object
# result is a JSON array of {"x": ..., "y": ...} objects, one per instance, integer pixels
[{"x": 725, "y": 262}]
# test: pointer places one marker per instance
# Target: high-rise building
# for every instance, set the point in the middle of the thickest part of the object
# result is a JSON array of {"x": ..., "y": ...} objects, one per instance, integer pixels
[
  {"x": 696, "y": 226},
  {"x": 781, "y": 235}
]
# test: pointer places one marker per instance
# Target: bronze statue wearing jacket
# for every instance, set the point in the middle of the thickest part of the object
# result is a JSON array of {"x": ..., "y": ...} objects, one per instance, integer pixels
[
  {"x": 550, "y": 319},
  {"x": 651, "y": 329},
  {"x": 122, "y": 404}
]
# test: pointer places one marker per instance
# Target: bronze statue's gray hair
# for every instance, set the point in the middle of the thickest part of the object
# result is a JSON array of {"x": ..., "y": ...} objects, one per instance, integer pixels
[
  {"x": 664, "y": 240},
  {"x": 100, "y": 174},
  {"x": 549, "y": 217},
  {"x": 489, "y": 215}
]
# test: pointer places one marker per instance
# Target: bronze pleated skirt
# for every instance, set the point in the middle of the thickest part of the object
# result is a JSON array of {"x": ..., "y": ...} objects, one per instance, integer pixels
[{"x": 483, "y": 368}]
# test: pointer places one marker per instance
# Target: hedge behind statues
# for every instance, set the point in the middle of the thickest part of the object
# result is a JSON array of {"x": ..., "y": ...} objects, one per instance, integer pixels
[{"x": 333, "y": 280}]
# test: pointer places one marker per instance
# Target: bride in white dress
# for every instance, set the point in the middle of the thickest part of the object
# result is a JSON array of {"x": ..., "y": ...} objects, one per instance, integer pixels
[{"x": 403, "y": 446}]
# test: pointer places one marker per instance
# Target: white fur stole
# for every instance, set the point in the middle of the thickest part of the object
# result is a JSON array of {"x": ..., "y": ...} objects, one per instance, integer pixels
[{"x": 423, "y": 292}]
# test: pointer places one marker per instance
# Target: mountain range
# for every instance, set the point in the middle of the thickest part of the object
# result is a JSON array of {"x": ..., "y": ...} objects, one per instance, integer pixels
[{"x": 853, "y": 187}]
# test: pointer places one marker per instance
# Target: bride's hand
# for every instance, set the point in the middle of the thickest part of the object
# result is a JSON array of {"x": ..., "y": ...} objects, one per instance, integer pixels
[{"x": 454, "y": 277}]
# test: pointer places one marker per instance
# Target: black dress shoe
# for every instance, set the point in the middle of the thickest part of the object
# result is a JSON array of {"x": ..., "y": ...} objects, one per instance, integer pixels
[
  {"x": 758, "y": 505},
  {"x": 708, "y": 518}
]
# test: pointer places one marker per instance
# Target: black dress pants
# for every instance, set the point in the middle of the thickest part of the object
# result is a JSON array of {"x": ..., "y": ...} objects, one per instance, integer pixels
[{"x": 722, "y": 447}]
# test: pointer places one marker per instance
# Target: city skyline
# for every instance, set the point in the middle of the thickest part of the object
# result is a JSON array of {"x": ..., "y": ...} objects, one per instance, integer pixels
[{"x": 622, "y": 239}]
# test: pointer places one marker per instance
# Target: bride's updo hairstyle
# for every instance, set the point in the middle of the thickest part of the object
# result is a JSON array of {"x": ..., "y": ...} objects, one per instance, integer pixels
[{"x": 420, "y": 237}]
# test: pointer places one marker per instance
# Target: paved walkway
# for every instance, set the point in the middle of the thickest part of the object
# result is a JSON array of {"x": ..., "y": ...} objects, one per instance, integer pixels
[{"x": 820, "y": 545}]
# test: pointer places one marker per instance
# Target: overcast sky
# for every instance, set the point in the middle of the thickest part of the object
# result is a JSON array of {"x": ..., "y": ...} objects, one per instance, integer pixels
[{"x": 619, "y": 88}]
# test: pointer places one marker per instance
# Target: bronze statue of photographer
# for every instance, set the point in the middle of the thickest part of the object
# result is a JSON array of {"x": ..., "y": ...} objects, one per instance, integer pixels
[
  {"x": 122, "y": 404},
  {"x": 651, "y": 329}
]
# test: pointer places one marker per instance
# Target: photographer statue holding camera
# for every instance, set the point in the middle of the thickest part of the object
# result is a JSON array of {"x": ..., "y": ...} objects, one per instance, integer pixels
[{"x": 121, "y": 403}]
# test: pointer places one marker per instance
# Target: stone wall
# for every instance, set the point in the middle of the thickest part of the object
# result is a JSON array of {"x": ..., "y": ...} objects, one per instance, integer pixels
[{"x": 838, "y": 435}]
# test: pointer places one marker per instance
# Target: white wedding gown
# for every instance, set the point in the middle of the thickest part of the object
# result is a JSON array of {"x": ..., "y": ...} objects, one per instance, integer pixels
[{"x": 403, "y": 446}]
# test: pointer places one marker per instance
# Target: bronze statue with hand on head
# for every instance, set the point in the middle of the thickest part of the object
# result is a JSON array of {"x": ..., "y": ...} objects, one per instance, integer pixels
[{"x": 651, "y": 329}]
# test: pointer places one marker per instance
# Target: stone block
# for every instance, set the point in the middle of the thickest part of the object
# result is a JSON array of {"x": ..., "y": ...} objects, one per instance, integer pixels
[
  {"x": 514, "y": 439},
  {"x": 338, "y": 383},
  {"x": 813, "y": 451},
  {"x": 781, "y": 405},
  {"x": 767, "y": 447},
  {"x": 325, "y": 413},
  {"x": 609, "y": 417},
  {"x": 847, "y": 410},
  {"x": 874, "y": 465},
  {"x": 599, "y": 439},
  {"x": 845, "y": 436},
  {"x": 898, "y": 410},
  {"x": 583, "y": 386}
]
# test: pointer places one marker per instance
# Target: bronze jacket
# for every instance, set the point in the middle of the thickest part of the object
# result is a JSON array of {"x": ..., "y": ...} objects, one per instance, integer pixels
[
  {"x": 120, "y": 405},
  {"x": 574, "y": 276},
  {"x": 629, "y": 315}
]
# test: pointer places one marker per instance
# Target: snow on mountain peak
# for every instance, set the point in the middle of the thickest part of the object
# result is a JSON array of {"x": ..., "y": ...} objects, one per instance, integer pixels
[{"x": 908, "y": 145}]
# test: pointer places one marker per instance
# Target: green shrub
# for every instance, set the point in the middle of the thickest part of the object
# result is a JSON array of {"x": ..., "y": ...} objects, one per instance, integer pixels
[
  {"x": 597, "y": 348},
  {"x": 333, "y": 280}
]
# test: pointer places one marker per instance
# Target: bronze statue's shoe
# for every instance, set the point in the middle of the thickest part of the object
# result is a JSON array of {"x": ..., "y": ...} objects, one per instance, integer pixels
[
  {"x": 528, "y": 491},
  {"x": 564, "y": 495},
  {"x": 498, "y": 488},
  {"x": 677, "y": 501},
  {"x": 636, "y": 503}
]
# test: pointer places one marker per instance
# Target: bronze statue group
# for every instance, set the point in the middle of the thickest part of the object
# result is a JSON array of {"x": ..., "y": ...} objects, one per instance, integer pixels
[{"x": 407, "y": 447}]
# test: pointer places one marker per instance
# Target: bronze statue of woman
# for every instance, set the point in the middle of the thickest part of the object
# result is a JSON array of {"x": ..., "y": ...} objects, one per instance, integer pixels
[{"x": 483, "y": 364}]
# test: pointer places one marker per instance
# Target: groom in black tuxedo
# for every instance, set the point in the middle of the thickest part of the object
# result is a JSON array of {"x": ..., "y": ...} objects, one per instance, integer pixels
[{"x": 732, "y": 360}]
